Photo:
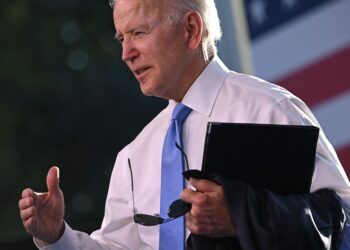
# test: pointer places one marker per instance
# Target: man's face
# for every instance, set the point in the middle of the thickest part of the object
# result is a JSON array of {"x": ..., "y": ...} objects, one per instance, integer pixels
[{"x": 153, "y": 48}]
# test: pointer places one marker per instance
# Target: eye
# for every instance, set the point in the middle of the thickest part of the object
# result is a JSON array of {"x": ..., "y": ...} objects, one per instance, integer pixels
[
  {"x": 120, "y": 39},
  {"x": 138, "y": 33}
]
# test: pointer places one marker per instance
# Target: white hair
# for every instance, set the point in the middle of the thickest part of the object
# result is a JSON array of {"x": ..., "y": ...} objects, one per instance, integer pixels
[
  {"x": 207, "y": 10},
  {"x": 211, "y": 22}
]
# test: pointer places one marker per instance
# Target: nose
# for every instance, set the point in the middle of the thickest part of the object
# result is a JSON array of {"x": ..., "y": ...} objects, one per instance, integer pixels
[{"x": 130, "y": 52}]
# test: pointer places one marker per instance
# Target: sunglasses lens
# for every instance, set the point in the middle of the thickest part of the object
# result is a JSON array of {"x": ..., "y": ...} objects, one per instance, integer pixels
[
  {"x": 148, "y": 220},
  {"x": 178, "y": 208}
]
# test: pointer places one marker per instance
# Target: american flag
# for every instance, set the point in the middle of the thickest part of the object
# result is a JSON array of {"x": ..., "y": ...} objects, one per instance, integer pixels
[{"x": 304, "y": 46}]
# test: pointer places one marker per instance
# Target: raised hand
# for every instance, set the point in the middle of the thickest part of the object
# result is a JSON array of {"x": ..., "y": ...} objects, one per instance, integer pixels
[{"x": 42, "y": 213}]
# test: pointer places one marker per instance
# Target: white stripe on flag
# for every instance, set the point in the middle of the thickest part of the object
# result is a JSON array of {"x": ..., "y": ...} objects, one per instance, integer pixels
[
  {"x": 302, "y": 41},
  {"x": 333, "y": 116}
]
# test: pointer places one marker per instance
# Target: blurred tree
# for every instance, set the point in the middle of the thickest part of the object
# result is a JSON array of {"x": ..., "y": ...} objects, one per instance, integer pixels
[{"x": 66, "y": 100}]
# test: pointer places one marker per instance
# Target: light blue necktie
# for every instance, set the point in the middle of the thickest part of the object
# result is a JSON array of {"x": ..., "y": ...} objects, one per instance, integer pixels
[{"x": 172, "y": 234}]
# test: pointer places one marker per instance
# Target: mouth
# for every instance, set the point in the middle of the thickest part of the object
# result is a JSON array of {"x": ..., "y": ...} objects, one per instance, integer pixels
[{"x": 139, "y": 73}]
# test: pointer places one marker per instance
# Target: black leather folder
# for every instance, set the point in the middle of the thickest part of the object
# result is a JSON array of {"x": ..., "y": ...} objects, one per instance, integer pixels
[{"x": 280, "y": 158}]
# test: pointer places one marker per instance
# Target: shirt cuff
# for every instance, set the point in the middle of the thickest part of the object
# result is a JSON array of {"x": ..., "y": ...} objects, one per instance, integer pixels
[{"x": 66, "y": 242}]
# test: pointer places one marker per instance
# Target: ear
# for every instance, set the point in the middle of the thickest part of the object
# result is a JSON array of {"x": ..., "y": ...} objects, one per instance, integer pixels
[{"x": 194, "y": 29}]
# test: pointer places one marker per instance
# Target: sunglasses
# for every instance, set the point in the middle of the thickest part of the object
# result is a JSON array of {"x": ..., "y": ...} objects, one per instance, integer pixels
[{"x": 176, "y": 209}]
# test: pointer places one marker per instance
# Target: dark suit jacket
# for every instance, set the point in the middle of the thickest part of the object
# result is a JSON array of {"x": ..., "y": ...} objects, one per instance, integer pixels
[{"x": 268, "y": 221}]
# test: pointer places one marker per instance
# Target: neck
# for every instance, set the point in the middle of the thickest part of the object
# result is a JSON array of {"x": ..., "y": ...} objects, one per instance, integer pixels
[{"x": 195, "y": 69}]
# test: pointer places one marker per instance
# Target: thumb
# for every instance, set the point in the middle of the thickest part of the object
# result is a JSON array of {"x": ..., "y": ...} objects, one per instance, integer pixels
[
  {"x": 53, "y": 179},
  {"x": 202, "y": 185}
]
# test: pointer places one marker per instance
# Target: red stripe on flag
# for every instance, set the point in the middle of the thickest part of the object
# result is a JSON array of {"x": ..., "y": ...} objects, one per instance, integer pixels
[
  {"x": 344, "y": 156},
  {"x": 322, "y": 80}
]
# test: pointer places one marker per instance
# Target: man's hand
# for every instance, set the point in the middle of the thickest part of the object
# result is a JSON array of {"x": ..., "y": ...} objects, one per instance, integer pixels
[
  {"x": 42, "y": 213},
  {"x": 209, "y": 215}
]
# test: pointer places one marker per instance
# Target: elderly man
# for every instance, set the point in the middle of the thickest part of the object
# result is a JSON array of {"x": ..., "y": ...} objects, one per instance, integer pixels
[{"x": 170, "y": 48}]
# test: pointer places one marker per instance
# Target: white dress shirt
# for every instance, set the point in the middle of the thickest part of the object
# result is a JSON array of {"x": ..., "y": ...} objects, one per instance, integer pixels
[{"x": 217, "y": 95}]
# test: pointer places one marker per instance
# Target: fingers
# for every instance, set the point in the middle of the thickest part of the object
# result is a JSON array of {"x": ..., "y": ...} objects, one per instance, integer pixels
[
  {"x": 204, "y": 185},
  {"x": 198, "y": 227},
  {"x": 53, "y": 179},
  {"x": 29, "y": 225},
  {"x": 27, "y": 193},
  {"x": 27, "y": 209},
  {"x": 204, "y": 190},
  {"x": 28, "y": 199},
  {"x": 201, "y": 204},
  {"x": 27, "y": 213},
  {"x": 209, "y": 215},
  {"x": 190, "y": 196},
  {"x": 25, "y": 203}
]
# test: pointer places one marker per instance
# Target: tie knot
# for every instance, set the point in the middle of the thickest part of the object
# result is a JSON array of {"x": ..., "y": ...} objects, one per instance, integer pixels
[{"x": 180, "y": 112}]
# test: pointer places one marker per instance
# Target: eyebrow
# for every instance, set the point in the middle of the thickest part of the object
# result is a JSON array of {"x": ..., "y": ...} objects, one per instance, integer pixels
[
  {"x": 147, "y": 26},
  {"x": 117, "y": 35}
]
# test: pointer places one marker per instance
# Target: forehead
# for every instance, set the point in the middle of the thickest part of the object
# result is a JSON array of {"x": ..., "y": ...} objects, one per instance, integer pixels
[{"x": 127, "y": 10}]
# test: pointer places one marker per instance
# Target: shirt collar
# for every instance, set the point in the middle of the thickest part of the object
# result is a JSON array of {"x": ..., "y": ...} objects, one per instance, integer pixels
[{"x": 202, "y": 94}]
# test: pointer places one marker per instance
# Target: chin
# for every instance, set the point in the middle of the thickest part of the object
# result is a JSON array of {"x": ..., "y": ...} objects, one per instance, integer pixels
[
  {"x": 153, "y": 93},
  {"x": 146, "y": 91},
  {"x": 151, "y": 89}
]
